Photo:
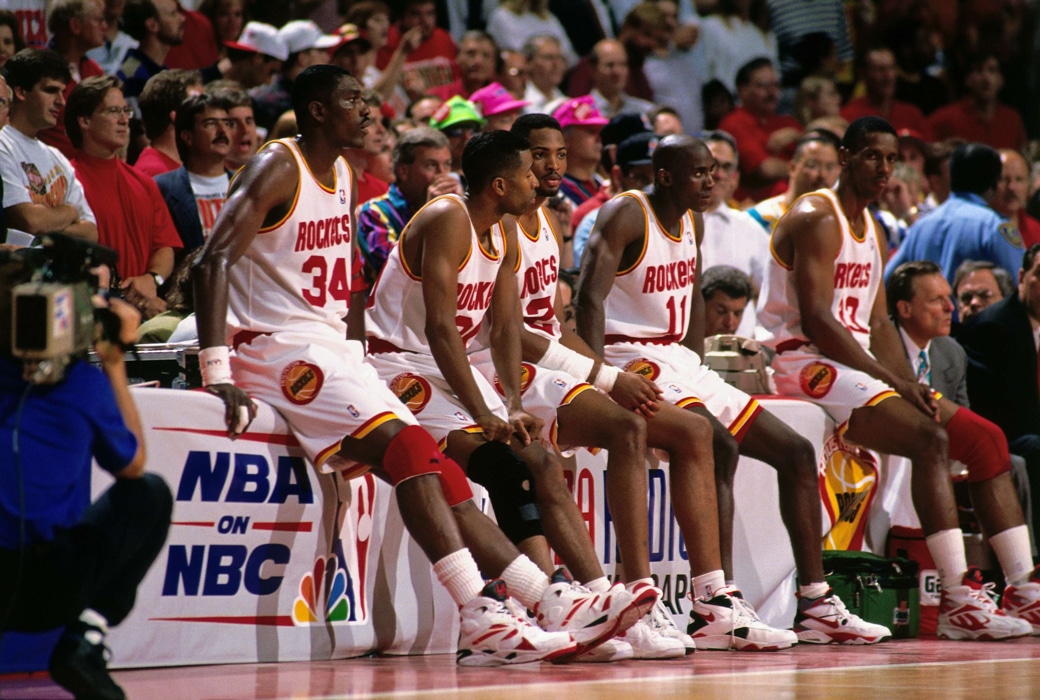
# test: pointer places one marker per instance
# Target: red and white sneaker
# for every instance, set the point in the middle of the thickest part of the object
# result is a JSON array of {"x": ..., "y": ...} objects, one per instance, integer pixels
[
  {"x": 493, "y": 634},
  {"x": 826, "y": 620},
  {"x": 968, "y": 612},
  {"x": 727, "y": 621},
  {"x": 1023, "y": 602},
  {"x": 591, "y": 618}
]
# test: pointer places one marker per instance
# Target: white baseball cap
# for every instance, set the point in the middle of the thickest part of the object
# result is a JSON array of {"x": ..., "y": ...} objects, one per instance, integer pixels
[
  {"x": 303, "y": 34},
  {"x": 258, "y": 37}
]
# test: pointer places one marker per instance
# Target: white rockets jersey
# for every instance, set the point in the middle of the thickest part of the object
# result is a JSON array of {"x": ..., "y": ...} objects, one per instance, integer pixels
[
  {"x": 299, "y": 269},
  {"x": 857, "y": 277},
  {"x": 651, "y": 299},
  {"x": 538, "y": 269},
  {"x": 396, "y": 314}
]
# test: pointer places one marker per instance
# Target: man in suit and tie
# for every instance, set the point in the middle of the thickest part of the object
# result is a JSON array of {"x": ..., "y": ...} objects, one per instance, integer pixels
[
  {"x": 1001, "y": 343},
  {"x": 920, "y": 305}
]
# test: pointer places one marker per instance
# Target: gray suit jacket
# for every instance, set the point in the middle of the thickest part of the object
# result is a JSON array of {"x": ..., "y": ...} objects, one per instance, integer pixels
[{"x": 949, "y": 365}]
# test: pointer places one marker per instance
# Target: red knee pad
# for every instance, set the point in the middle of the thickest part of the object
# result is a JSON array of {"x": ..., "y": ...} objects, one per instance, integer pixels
[
  {"x": 979, "y": 444},
  {"x": 454, "y": 482},
  {"x": 413, "y": 452}
]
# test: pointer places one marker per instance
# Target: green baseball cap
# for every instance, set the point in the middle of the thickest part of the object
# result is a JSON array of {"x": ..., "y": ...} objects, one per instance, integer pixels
[{"x": 455, "y": 111}]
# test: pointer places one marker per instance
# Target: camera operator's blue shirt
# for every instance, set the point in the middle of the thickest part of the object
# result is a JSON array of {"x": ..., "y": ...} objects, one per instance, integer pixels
[{"x": 61, "y": 428}]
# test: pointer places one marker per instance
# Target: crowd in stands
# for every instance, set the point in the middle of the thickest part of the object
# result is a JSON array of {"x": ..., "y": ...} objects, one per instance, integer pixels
[{"x": 125, "y": 120}]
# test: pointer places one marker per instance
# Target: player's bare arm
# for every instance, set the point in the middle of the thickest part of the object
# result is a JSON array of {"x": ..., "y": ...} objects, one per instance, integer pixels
[
  {"x": 505, "y": 336},
  {"x": 261, "y": 193},
  {"x": 615, "y": 241},
  {"x": 809, "y": 238},
  {"x": 436, "y": 244},
  {"x": 694, "y": 339}
]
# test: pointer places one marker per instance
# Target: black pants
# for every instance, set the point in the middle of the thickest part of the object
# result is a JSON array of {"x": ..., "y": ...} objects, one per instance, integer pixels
[{"x": 97, "y": 564}]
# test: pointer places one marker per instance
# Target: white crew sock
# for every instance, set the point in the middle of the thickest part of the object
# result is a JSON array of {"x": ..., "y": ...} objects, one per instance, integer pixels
[
  {"x": 459, "y": 574},
  {"x": 1012, "y": 550},
  {"x": 813, "y": 590},
  {"x": 705, "y": 585},
  {"x": 598, "y": 585},
  {"x": 525, "y": 581},
  {"x": 947, "y": 550}
]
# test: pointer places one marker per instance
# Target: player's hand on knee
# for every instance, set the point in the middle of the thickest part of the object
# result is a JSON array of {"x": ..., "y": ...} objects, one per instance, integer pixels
[
  {"x": 921, "y": 396},
  {"x": 239, "y": 409},
  {"x": 526, "y": 427},
  {"x": 636, "y": 393},
  {"x": 493, "y": 427}
]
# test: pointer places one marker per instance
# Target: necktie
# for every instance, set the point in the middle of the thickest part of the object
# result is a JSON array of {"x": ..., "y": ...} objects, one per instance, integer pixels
[{"x": 924, "y": 373}]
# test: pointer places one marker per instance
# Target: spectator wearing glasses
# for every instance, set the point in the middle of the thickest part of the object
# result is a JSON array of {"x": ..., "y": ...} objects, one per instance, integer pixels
[
  {"x": 731, "y": 236},
  {"x": 132, "y": 217},
  {"x": 978, "y": 284}
]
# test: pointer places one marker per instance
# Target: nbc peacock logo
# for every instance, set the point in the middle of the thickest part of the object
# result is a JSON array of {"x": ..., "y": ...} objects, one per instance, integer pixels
[{"x": 323, "y": 594}]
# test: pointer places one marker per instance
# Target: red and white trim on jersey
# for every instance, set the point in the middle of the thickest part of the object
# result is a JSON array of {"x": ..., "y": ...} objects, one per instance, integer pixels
[
  {"x": 649, "y": 301},
  {"x": 298, "y": 271},
  {"x": 396, "y": 314},
  {"x": 857, "y": 280}
]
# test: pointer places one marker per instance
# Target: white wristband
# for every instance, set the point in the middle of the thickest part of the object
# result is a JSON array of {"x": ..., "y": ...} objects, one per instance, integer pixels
[
  {"x": 606, "y": 377},
  {"x": 215, "y": 365},
  {"x": 566, "y": 360}
]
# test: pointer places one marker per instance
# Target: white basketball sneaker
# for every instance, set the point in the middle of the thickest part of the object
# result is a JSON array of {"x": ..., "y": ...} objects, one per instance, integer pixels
[
  {"x": 648, "y": 643},
  {"x": 968, "y": 612},
  {"x": 1023, "y": 602},
  {"x": 591, "y": 618},
  {"x": 826, "y": 620},
  {"x": 661, "y": 621},
  {"x": 727, "y": 621},
  {"x": 616, "y": 649},
  {"x": 492, "y": 634}
]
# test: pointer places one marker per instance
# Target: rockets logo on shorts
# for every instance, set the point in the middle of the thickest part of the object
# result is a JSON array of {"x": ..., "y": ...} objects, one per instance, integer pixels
[
  {"x": 645, "y": 367},
  {"x": 301, "y": 382},
  {"x": 527, "y": 372},
  {"x": 412, "y": 390},
  {"x": 816, "y": 379}
]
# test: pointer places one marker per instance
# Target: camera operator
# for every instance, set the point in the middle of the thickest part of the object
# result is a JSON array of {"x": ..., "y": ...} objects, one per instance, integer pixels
[{"x": 67, "y": 562}]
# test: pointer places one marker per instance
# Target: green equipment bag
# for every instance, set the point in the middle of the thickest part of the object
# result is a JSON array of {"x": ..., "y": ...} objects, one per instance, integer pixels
[{"x": 880, "y": 590}]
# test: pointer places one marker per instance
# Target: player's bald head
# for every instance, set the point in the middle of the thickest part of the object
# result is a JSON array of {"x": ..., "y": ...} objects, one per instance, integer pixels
[{"x": 674, "y": 152}]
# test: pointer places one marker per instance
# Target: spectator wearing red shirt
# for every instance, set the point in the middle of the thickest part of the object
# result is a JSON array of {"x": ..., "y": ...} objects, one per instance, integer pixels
[
  {"x": 476, "y": 66},
  {"x": 980, "y": 117},
  {"x": 199, "y": 48},
  {"x": 434, "y": 59},
  {"x": 880, "y": 75},
  {"x": 162, "y": 95},
  {"x": 131, "y": 214},
  {"x": 765, "y": 139},
  {"x": 76, "y": 26},
  {"x": 1012, "y": 193}
]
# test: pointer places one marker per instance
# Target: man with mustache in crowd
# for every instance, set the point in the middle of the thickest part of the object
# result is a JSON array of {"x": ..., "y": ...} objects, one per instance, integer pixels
[{"x": 196, "y": 191}]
